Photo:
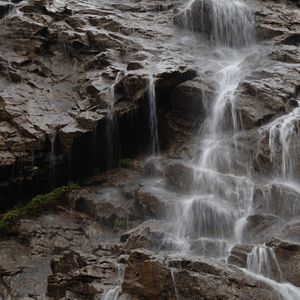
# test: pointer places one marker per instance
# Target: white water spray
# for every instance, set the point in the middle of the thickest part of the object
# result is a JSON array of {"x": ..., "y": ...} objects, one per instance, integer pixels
[
  {"x": 154, "y": 143},
  {"x": 112, "y": 132}
]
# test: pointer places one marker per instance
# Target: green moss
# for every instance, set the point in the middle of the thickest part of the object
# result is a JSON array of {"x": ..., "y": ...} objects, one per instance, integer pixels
[
  {"x": 124, "y": 162},
  {"x": 120, "y": 223},
  {"x": 37, "y": 205}
]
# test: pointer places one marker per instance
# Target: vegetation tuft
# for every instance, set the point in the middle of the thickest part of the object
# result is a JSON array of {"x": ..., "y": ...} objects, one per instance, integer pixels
[
  {"x": 37, "y": 205},
  {"x": 120, "y": 223},
  {"x": 124, "y": 162}
]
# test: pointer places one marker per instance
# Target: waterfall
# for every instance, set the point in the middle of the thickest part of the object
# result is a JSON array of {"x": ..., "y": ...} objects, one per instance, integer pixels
[
  {"x": 154, "y": 143},
  {"x": 263, "y": 265},
  {"x": 111, "y": 294},
  {"x": 262, "y": 261},
  {"x": 284, "y": 134},
  {"x": 52, "y": 158},
  {"x": 112, "y": 131},
  {"x": 228, "y": 23},
  {"x": 220, "y": 199}
]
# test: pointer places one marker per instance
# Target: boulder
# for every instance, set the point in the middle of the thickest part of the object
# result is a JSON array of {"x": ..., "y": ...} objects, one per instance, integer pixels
[
  {"x": 154, "y": 203},
  {"x": 278, "y": 199},
  {"x": 261, "y": 227},
  {"x": 149, "y": 235},
  {"x": 280, "y": 260},
  {"x": 108, "y": 207},
  {"x": 239, "y": 255},
  {"x": 54, "y": 233},
  {"x": 157, "y": 276},
  {"x": 288, "y": 258},
  {"x": 179, "y": 177},
  {"x": 76, "y": 274},
  {"x": 189, "y": 102}
]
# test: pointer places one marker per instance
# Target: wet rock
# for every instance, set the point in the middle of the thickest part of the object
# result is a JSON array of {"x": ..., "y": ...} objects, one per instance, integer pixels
[
  {"x": 155, "y": 167},
  {"x": 77, "y": 274},
  {"x": 291, "y": 231},
  {"x": 189, "y": 18},
  {"x": 280, "y": 200},
  {"x": 179, "y": 177},
  {"x": 154, "y": 204},
  {"x": 156, "y": 276},
  {"x": 108, "y": 206},
  {"x": 134, "y": 65},
  {"x": 239, "y": 255},
  {"x": 5, "y": 9},
  {"x": 7, "y": 158},
  {"x": 54, "y": 233},
  {"x": 287, "y": 255},
  {"x": 149, "y": 235},
  {"x": 22, "y": 274},
  {"x": 188, "y": 103},
  {"x": 208, "y": 247},
  {"x": 261, "y": 227}
]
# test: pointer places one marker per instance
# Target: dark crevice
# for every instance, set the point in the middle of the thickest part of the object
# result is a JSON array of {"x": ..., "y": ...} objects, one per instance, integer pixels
[{"x": 5, "y": 10}]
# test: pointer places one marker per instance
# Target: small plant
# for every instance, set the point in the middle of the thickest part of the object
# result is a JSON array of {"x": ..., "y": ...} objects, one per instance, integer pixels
[
  {"x": 124, "y": 162},
  {"x": 120, "y": 223},
  {"x": 71, "y": 186}
]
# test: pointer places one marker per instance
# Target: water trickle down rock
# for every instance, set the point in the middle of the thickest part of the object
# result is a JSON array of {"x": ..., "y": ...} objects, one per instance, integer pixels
[{"x": 154, "y": 142}]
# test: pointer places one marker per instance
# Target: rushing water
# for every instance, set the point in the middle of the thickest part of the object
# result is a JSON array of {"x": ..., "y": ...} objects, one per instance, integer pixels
[
  {"x": 154, "y": 143},
  {"x": 111, "y": 294},
  {"x": 220, "y": 200},
  {"x": 217, "y": 208},
  {"x": 112, "y": 131},
  {"x": 284, "y": 137}
]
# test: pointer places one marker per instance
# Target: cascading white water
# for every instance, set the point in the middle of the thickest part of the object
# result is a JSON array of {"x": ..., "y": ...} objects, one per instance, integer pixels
[
  {"x": 262, "y": 264},
  {"x": 262, "y": 261},
  {"x": 51, "y": 180},
  {"x": 111, "y": 294},
  {"x": 154, "y": 143},
  {"x": 220, "y": 198},
  {"x": 112, "y": 132},
  {"x": 229, "y": 23},
  {"x": 284, "y": 134}
]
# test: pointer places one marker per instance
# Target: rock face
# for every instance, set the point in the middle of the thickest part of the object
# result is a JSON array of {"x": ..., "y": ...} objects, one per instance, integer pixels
[
  {"x": 61, "y": 79},
  {"x": 284, "y": 265},
  {"x": 54, "y": 233},
  {"x": 77, "y": 96},
  {"x": 76, "y": 274},
  {"x": 150, "y": 276}
]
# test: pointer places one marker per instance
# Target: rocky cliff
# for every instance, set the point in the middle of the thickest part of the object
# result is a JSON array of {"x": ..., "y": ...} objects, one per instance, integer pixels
[{"x": 215, "y": 213}]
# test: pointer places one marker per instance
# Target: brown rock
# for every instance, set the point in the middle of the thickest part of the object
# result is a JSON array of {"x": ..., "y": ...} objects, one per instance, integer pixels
[
  {"x": 179, "y": 177},
  {"x": 288, "y": 257},
  {"x": 149, "y": 235},
  {"x": 150, "y": 276}
]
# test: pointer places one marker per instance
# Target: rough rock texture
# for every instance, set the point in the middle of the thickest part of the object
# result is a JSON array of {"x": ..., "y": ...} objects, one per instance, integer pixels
[
  {"x": 287, "y": 255},
  {"x": 149, "y": 235},
  {"x": 287, "y": 258},
  {"x": 53, "y": 233},
  {"x": 150, "y": 276},
  {"x": 58, "y": 67},
  {"x": 74, "y": 100},
  {"x": 77, "y": 274}
]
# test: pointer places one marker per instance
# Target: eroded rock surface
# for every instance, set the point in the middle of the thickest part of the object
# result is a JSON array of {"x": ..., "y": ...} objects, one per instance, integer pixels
[{"x": 153, "y": 276}]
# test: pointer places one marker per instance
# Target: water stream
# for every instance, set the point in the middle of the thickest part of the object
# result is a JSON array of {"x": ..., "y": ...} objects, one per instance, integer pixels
[
  {"x": 112, "y": 131},
  {"x": 154, "y": 143},
  {"x": 221, "y": 199}
]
